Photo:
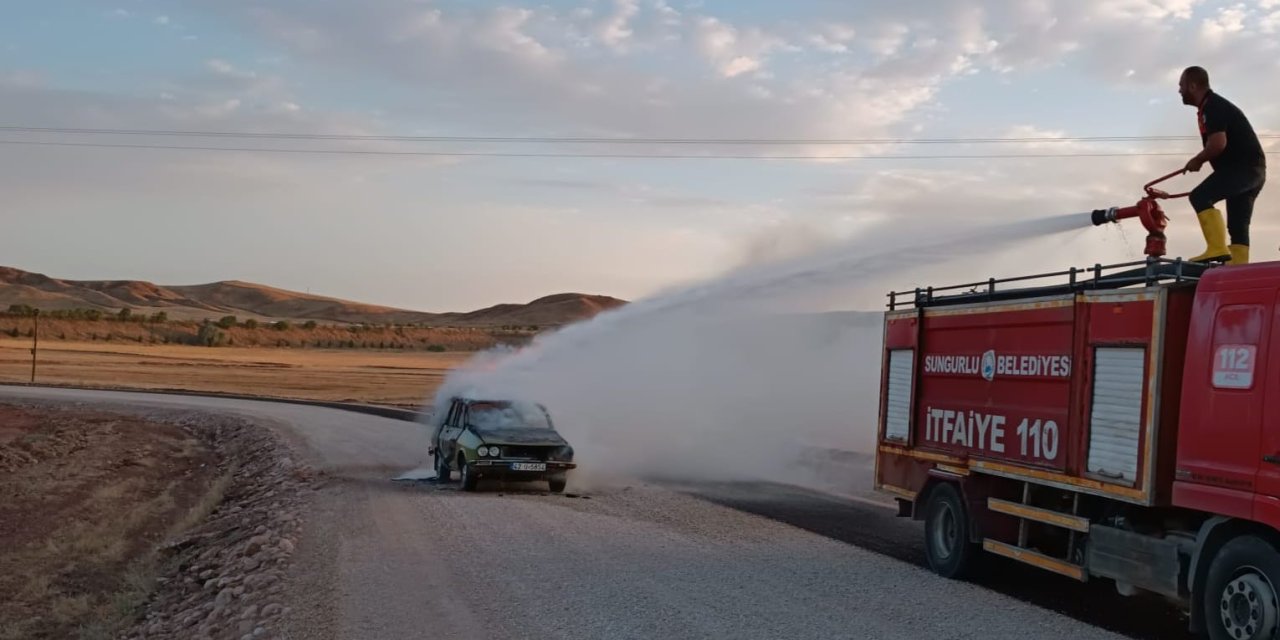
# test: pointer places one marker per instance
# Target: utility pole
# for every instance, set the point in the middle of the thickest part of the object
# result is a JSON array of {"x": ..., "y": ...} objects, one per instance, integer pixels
[{"x": 35, "y": 344}]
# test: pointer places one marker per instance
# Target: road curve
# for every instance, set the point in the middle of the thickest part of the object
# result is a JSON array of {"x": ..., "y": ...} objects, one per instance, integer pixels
[{"x": 381, "y": 559}]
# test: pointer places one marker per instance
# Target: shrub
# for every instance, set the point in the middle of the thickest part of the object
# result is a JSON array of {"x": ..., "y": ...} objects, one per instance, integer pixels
[
  {"x": 436, "y": 348},
  {"x": 227, "y": 322},
  {"x": 93, "y": 314},
  {"x": 310, "y": 324},
  {"x": 13, "y": 333},
  {"x": 210, "y": 336},
  {"x": 251, "y": 324},
  {"x": 125, "y": 313},
  {"x": 282, "y": 325},
  {"x": 159, "y": 317}
]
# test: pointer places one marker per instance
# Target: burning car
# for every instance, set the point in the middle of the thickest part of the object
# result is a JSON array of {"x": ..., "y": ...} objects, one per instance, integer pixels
[{"x": 504, "y": 439}]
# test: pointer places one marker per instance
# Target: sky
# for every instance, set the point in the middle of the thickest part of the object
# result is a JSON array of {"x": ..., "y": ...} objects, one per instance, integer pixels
[{"x": 386, "y": 222}]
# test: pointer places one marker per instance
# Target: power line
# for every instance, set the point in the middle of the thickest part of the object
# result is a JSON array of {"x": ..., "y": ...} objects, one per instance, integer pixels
[
  {"x": 488, "y": 154},
  {"x": 602, "y": 140}
]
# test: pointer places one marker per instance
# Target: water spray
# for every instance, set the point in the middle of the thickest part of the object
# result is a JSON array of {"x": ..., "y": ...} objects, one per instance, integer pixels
[{"x": 1147, "y": 211}]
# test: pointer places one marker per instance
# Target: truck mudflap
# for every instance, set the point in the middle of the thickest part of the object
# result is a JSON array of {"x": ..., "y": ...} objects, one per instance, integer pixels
[{"x": 1158, "y": 565}]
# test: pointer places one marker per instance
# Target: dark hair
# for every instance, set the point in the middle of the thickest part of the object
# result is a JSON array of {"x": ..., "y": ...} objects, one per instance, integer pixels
[{"x": 1197, "y": 76}]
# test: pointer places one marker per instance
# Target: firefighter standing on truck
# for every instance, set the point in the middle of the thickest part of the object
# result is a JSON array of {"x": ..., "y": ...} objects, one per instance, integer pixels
[{"x": 1239, "y": 169}]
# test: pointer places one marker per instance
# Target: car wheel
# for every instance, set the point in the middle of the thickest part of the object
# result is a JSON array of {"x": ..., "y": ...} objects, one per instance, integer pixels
[
  {"x": 443, "y": 473},
  {"x": 946, "y": 533},
  {"x": 557, "y": 483},
  {"x": 1242, "y": 591},
  {"x": 469, "y": 479}
]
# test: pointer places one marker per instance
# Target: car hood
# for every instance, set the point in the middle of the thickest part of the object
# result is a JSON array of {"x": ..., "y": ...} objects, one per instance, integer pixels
[{"x": 520, "y": 435}]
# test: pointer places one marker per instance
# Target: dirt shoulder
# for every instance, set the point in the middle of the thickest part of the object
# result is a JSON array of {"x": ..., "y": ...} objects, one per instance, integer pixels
[
  {"x": 83, "y": 496},
  {"x": 123, "y": 522}
]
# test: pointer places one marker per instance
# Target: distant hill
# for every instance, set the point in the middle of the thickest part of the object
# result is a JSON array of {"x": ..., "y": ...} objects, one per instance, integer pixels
[{"x": 246, "y": 299}]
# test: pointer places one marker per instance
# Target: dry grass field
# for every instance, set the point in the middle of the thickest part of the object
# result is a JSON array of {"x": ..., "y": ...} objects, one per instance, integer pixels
[
  {"x": 374, "y": 377},
  {"x": 84, "y": 498}
]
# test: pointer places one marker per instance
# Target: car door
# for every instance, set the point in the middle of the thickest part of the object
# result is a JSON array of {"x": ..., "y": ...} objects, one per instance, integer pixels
[{"x": 451, "y": 430}]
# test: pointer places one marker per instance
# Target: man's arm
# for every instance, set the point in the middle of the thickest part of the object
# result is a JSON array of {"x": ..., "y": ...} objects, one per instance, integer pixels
[
  {"x": 1215, "y": 124},
  {"x": 1213, "y": 147}
]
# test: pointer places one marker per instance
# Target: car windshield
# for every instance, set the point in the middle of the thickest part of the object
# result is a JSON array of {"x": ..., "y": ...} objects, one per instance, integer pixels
[{"x": 507, "y": 415}]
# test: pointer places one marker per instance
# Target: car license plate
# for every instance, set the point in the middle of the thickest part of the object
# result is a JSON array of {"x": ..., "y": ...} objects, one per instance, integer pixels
[{"x": 528, "y": 466}]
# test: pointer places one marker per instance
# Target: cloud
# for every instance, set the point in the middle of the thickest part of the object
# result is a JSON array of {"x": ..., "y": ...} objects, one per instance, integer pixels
[
  {"x": 615, "y": 31},
  {"x": 1227, "y": 22},
  {"x": 162, "y": 20},
  {"x": 734, "y": 51},
  {"x": 833, "y": 38},
  {"x": 525, "y": 58},
  {"x": 226, "y": 69},
  {"x": 22, "y": 78}
]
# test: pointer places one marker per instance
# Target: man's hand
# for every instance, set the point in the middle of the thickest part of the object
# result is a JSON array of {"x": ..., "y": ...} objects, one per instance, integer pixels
[{"x": 1213, "y": 147}]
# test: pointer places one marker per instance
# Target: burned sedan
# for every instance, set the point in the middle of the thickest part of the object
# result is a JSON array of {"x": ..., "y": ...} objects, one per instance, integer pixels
[{"x": 502, "y": 439}]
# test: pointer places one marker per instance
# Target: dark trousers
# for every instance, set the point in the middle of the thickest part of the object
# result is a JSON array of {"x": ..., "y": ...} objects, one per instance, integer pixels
[{"x": 1239, "y": 187}]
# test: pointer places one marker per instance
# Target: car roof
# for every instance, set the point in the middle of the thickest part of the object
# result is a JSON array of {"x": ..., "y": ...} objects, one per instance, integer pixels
[{"x": 494, "y": 401}]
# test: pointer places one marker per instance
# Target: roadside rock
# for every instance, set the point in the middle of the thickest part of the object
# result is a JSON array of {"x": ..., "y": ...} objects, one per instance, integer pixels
[{"x": 231, "y": 561}]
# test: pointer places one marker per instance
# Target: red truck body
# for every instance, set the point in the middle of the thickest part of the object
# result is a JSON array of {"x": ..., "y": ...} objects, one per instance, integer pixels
[{"x": 1125, "y": 425}]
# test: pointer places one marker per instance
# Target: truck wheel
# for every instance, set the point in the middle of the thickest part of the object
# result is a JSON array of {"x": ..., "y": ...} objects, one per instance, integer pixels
[
  {"x": 946, "y": 533},
  {"x": 1241, "y": 593},
  {"x": 469, "y": 479},
  {"x": 443, "y": 473},
  {"x": 557, "y": 483}
]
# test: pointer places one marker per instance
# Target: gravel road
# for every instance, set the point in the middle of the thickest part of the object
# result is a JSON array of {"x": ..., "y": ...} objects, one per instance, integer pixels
[{"x": 381, "y": 559}]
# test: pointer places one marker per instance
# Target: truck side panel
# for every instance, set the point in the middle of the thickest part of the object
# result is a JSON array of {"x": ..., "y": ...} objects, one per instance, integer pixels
[
  {"x": 996, "y": 383},
  {"x": 1059, "y": 391}
]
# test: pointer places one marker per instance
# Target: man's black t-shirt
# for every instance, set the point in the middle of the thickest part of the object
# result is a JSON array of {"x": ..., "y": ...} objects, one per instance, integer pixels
[{"x": 1243, "y": 151}]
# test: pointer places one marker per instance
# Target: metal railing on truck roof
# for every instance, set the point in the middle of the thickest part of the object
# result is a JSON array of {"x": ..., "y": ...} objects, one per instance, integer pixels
[{"x": 1152, "y": 271}]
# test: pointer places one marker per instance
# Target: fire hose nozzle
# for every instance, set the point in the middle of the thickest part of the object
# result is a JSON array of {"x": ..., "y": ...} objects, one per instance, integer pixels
[{"x": 1103, "y": 216}]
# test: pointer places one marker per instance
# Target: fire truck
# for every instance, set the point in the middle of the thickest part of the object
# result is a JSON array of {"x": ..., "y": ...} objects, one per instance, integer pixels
[{"x": 1113, "y": 423}]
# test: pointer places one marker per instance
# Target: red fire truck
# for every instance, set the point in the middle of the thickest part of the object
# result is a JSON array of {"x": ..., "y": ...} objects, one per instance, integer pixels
[{"x": 1118, "y": 423}]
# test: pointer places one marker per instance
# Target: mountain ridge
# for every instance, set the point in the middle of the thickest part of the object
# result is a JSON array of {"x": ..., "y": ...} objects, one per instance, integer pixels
[{"x": 264, "y": 302}]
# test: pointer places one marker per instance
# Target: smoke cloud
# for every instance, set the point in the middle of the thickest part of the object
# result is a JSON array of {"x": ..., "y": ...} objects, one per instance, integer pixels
[{"x": 746, "y": 376}]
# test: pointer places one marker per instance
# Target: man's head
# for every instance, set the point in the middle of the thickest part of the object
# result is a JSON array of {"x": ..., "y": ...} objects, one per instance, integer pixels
[{"x": 1193, "y": 85}]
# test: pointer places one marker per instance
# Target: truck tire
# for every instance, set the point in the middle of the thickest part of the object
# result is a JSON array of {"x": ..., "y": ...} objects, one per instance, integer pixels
[
  {"x": 557, "y": 483},
  {"x": 946, "y": 533},
  {"x": 1242, "y": 591}
]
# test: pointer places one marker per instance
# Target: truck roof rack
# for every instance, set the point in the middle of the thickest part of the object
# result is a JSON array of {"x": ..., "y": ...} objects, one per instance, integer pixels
[{"x": 1146, "y": 273}]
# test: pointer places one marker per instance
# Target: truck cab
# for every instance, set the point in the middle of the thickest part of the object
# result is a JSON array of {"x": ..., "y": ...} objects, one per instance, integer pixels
[{"x": 1228, "y": 458}]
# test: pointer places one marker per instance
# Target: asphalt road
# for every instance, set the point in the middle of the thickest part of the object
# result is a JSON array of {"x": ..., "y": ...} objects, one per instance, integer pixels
[{"x": 396, "y": 560}]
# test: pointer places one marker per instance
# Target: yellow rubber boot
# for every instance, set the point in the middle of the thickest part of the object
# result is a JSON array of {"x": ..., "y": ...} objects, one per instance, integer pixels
[
  {"x": 1239, "y": 254},
  {"x": 1215, "y": 236}
]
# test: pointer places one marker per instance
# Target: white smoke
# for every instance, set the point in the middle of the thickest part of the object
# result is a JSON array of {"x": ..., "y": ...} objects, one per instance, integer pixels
[{"x": 744, "y": 376}]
